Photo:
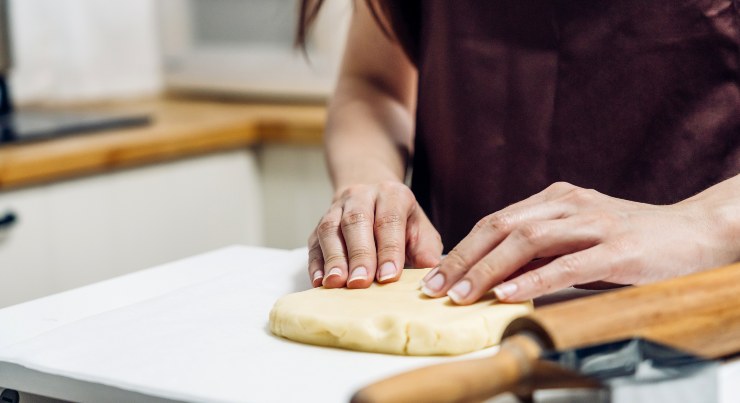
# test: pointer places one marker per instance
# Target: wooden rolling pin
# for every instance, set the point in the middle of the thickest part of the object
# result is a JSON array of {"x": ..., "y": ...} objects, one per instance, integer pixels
[{"x": 699, "y": 313}]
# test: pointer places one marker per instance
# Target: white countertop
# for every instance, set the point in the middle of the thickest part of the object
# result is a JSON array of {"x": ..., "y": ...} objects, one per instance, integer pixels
[{"x": 191, "y": 330}]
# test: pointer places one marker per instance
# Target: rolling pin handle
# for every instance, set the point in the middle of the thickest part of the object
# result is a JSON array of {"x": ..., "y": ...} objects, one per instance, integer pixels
[
  {"x": 9, "y": 396},
  {"x": 7, "y": 220},
  {"x": 462, "y": 380}
]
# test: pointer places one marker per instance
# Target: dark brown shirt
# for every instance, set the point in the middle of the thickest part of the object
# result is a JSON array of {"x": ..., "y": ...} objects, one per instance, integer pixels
[{"x": 638, "y": 99}]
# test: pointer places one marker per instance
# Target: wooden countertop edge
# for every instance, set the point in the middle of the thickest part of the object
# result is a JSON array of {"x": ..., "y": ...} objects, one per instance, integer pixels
[
  {"x": 238, "y": 127},
  {"x": 100, "y": 159},
  {"x": 276, "y": 132}
]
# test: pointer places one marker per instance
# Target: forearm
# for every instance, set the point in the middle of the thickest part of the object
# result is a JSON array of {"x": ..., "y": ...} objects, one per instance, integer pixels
[{"x": 369, "y": 134}]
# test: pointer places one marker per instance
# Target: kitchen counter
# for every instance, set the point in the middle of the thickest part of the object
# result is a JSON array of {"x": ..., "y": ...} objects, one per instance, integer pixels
[{"x": 178, "y": 128}]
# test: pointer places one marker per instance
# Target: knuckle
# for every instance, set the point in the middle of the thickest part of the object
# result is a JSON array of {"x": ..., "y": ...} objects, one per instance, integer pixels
[
  {"x": 582, "y": 196},
  {"x": 479, "y": 225},
  {"x": 389, "y": 221},
  {"x": 404, "y": 190},
  {"x": 399, "y": 193},
  {"x": 327, "y": 228},
  {"x": 569, "y": 268},
  {"x": 314, "y": 249},
  {"x": 497, "y": 222},
  {"x": 388, "y": 187},
  {"x": 360, "y": 253},
  {"x": 531, "y": 233},
  {"x": 558, "y": 187},
  {"x": 333, "y": 258},
  {"x": 455, "y": 261},
  {"x": 485, "y": 270},
  {"x": 314, "y": 257},
  {"x": 535, "y": 279},
  {"x": 390, "y": 248},
  {"x": 349, "y": 191},
  {"x": 355, "y": 218}
]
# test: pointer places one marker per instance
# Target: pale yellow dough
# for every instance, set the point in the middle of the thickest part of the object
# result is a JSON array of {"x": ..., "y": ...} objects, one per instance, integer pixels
[{"x": 395, "y": 318}]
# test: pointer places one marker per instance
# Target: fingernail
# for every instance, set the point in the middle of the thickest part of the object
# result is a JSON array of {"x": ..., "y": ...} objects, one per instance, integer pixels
[
  {"x": 460, "y": 291},
  {"x": 335, "y": 271},
  {"x": 360, "y": 273},
  {"x": 317, "y": 276},
  {"x": 434, "y": 284},
  {"x": 387, "y": 271},
  {"x": 429, "y": 275},
  {"x": 505, "y": 290}
]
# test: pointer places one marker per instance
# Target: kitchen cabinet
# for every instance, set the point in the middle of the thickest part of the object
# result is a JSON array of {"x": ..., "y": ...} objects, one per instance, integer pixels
[{"x": 79, "y": 231}]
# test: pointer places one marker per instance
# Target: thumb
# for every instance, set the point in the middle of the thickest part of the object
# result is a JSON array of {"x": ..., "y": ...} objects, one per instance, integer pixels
[{"x": 423, "y": 243}]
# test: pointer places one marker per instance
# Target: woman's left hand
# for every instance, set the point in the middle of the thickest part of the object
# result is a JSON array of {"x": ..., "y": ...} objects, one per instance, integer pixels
[{"x": 566, "y": 235}]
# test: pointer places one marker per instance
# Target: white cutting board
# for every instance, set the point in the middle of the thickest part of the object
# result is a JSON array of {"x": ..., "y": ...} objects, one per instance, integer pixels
[{"x": 190, "y": 330}]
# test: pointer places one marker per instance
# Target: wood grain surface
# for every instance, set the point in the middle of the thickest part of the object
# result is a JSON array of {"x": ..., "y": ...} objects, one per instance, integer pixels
[
  {"x": 699, "y": 313},
  {"x": 179, "y": 128}
]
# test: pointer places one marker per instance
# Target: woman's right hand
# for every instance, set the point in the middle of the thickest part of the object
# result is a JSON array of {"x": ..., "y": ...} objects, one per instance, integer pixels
[{"x": 370, "y": 232}]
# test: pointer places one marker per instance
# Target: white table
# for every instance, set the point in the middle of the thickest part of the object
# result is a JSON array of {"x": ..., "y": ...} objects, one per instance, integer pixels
[{"x": 192, "y": 330}]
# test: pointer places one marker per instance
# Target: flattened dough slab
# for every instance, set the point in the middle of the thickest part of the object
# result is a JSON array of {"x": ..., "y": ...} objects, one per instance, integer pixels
[{"x": 393, "y": 318}]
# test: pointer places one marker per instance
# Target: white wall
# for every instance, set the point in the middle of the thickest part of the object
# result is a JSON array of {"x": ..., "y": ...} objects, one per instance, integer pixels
[{"x": 72, "y": 50}]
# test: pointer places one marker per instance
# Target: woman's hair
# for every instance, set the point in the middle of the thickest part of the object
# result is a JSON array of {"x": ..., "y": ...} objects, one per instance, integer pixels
[{"x": 398, "y": 19}]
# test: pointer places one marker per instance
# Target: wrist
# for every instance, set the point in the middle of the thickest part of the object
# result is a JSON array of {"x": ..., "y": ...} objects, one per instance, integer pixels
[
  {"x": 727, "y": 220},
  {"x": 363, "y": 174},
  {"x": 720, "y": 220}
]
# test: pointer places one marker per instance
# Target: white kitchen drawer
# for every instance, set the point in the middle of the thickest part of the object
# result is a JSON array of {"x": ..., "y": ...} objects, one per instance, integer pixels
[
  {"x": 77, "y": 232},
  {"x": 24, "y": 247}
]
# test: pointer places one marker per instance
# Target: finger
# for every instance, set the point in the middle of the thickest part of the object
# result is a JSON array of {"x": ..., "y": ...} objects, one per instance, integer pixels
[
  {"x": 528, "y": 241},
  {"x": 585, "y": 266},
  {"x": 391, "y": 215},
  {"x": 357, "y": 230},
  {"x": 332, "y": 249},
  {"x": 533, "y": 265},
  {"x": 424, "y": 245},
  {"x": 484, "y": 237},
  {"x": 552, "y": 192},
  {"x": 315, "y": 261}
]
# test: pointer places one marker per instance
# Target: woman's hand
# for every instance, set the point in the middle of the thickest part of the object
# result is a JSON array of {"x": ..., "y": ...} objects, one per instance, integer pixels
[
  {"x": 368, "y": 233},
  {"x": 565, "y": 236}
]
